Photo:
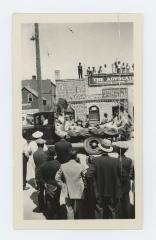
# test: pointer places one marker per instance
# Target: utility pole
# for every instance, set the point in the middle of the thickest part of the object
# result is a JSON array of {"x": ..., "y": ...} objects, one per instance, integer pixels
[{"x": 38, "y": 66}]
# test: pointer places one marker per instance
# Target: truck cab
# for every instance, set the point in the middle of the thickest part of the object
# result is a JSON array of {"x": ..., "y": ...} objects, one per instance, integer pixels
[{"x": 44, "y": 122}]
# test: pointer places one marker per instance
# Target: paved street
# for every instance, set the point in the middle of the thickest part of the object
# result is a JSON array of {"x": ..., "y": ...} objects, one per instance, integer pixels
[{"x": 30, "y": 196}]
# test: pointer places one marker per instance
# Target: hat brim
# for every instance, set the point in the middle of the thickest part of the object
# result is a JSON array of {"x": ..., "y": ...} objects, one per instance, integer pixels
[
  {"x": 105, "y": 149},
  {"x": 121, "y": 145},
  {"x": 37, "y": 135},
  {"x": 40, "y": 142}
]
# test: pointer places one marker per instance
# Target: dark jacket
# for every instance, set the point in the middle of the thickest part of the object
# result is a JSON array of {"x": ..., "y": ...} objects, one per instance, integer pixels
[
  {"x": 62, "y": 149},
  {"x": 107, "y": 173},
  {"x": 126, "y": 173},
  {"x": 47, "y": 171},
  {"x": 39, "y": 157}
]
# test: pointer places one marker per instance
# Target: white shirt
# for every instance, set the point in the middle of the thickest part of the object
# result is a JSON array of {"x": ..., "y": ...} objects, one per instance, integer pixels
[
  {"x": 25, "y": 147},
  {"x": 67, "y": 125},
  {"x": 32, "y": 147},
  {"x": 83, "y": 160},
  {"x": 45, "y": 122}
]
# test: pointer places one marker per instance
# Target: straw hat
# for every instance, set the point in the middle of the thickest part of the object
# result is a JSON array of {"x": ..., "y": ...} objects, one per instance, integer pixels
[
  {"x": 40, "y": 141},
  {"x": 37, "y": 134},
  {"x": 106, "y": 146}
]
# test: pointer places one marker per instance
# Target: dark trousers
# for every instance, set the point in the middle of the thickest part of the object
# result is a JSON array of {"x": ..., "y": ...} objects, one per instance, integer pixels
[
  {"x": 25, "y": 160},
  {"x": 110, "y": 208},
  {"x": 63, "y": 212},
  {"x": 41, "y": 199},
  {"x": 78, "y": 207},
  {"x": 119, "y": 70},
  {"x": 90, "y": 200},
  {"x": 80, "y": 74},
  {"x": 52, "y": 206},
  {"x": 125, "y": 206}
]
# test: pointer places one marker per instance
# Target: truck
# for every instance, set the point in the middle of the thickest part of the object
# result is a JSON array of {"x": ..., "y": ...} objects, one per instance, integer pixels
[{"x": 87, "y": 139}]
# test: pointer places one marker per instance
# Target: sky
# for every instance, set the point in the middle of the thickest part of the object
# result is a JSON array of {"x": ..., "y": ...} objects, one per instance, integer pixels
[{"x": 92, "y": 44}]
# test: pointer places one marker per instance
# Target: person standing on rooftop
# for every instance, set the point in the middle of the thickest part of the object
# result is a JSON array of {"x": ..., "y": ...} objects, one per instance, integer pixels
[{"x": 80, "y": 71}]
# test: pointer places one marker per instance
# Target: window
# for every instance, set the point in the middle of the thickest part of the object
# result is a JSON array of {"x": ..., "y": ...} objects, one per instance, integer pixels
[
  {"x": 44, "y": 102},
  {"x": 30, "y": 98}
]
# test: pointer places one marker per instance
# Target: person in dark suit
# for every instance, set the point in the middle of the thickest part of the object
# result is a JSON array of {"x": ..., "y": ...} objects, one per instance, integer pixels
[
  {"x": 46, "y": 175},
  {"x": 107, "y": 174},
  {"x": 63, "y": 149},
  {"x": 91, "y": 194},
  {"x": 80, "y": 71},
  {"x": 127, "y": 171},
  {"x": 39, "y": 158}
]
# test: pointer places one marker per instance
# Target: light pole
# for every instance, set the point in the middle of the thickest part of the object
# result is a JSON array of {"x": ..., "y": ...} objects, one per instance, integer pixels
[{"x": 38, "y": 66}]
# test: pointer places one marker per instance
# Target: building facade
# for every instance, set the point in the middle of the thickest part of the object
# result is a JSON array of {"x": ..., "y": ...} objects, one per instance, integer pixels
[
  {"x": 97, "y": 94},
  {"x": 48, "y": 94},
  {"x": 30, "y": 101}
]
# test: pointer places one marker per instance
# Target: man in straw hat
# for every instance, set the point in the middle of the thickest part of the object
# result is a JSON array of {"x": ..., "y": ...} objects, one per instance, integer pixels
[
  {"x": 107, "y": 174},
  {"x": 32, "y": 147},
  {"x": 127, "y": 174}
]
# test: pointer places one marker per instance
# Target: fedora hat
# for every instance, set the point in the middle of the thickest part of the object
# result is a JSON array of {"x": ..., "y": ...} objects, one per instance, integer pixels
[
  {"x": 37, "y": 134},
  {"x": 40, "y": 141},
  {"x": 106, "y": 146}
]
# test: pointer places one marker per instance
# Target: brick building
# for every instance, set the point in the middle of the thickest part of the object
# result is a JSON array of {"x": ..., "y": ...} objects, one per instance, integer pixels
[
  {"x": 30, "y": 100},
  {"x": 30, "y": 95},
  {"x": 97, "y": 94}
]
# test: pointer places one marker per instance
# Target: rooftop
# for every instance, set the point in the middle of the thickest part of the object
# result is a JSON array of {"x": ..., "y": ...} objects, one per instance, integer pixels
[
  {"x": 32, "y": 91},
  {"x": 32, "y": 84}
]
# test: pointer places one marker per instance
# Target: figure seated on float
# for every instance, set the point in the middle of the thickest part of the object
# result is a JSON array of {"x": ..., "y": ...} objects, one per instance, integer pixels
[
  {"x": 59, "y": 126},
  {"x": 69, "y": 123},
  {"x": 76, "y": 129},
  {"x": 112, "y": 123},
  {"x": 68, "y": 126},
  {"x": 121, "y": 124},
  {"x": 125, "y": 126}
]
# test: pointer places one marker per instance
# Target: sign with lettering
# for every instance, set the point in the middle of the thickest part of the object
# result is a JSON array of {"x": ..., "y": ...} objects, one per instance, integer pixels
[
  {"x": 99, "y": 80},
  {"x": 115, "y": 93}
]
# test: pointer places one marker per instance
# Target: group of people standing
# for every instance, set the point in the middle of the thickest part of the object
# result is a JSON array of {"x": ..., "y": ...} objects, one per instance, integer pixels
[
  {"x": 117, "y": 67},
  {"x": 70, "y": 187}
]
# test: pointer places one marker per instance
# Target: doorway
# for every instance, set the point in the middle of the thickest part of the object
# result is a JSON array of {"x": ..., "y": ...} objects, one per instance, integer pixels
[{"x": 94, "y": 114}]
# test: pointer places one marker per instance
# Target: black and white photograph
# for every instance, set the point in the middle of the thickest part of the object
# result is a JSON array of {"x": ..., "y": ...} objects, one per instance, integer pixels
[{"x": 77, "y": 103}]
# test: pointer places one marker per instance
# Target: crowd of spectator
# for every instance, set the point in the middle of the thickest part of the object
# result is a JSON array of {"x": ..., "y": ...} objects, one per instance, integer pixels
[
  {"x": 117, "y": 67},
  {"x": 73, "y": 188}
]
